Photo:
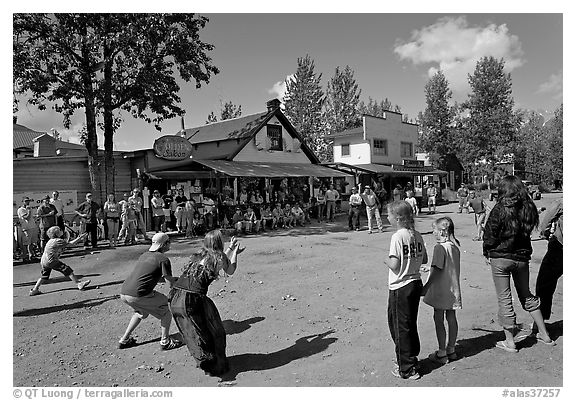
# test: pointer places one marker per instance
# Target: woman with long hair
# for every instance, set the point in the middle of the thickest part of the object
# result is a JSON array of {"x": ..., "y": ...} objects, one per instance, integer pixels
[
  {"x": 508, "y": 248},
  {"x": 194, "y": 312}
]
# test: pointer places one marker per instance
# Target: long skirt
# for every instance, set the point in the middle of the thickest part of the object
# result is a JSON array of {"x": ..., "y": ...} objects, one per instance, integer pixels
[{"x": 199, "y": 322}]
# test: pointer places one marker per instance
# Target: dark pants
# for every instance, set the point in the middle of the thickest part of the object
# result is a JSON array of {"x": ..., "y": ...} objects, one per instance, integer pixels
[
  {"x": 92, "y": 229},
  {"x": 354, "y": 217},
  {"x": 157, "y": 222},
  {"x": 402, "y": 320},
  {"x": 60, "y": 222},
  {"x": 550, "y": 271}
]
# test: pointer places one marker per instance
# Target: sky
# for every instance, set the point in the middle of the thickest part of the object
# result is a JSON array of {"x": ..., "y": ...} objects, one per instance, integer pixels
[{"x": 392, "y": 56}]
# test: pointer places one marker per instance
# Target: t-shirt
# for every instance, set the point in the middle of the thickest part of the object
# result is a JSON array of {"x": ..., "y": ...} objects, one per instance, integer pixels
[
  {"x": 52, "y": 251},
  {"x": 112, "y": 209},
  {"x": 477, "y": 205},
  {"x": 370, "y": 199},
  {"x": 332, "y": 195},
  {"x": 444, "y": 293},
  {"x": 48, "y": 220},
  {"x": 412, "y": 202},
  {"x": 355, "y": 199},
  {"x": 168, "y": 199},
  {"x": 208, "y": 204},
  {"x": 137, "y": 202},
  {"x": 59, "y": 206},
  {"x": 180, "y": 200},
  {"x": 150, "y": 267},
  {"x": 462, "y": 192},
  {"x": 25, "y": 218},
  {"x": 431, "y": 191},
  {"x": 407, "y": 246},
  {"x": 91, "y": 208}
]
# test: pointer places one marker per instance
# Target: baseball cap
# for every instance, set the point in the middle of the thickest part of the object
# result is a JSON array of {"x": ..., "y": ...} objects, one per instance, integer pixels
[
  {"x": 158, "y": 240},
  {"x": 367, "y": 187},
  {"x": 46, "y": 197},
  {"x": 26, "y": 199}
]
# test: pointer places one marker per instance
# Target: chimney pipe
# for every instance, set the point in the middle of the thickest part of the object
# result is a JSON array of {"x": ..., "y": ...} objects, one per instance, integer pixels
[
  {"x": 183, "y": 130},
  {"x": 272, "y": 104}
]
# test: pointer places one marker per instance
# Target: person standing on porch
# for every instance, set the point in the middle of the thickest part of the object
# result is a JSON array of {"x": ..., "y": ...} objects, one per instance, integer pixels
[
  {"x": 137, "y": 201},
  {"x": 180, "y": 213},
  {"x": 354, "y": 203},
  {"x": 372, "y": 209},
  {"x": 56, "y": 202},
  {"x": 158, "y": 217},
  {"x": 332, "y": 196}
]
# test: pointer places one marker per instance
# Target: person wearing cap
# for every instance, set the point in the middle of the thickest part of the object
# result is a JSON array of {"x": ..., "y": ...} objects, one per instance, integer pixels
[
  {"x": 431, "y": 193},
  {"x": 354, "y": 202},
  {"x": 51, "y": 259},
  {"x": 372, "y": 209},
  {"x": 138, "y": 292},
  {"x": 195, "y": 314},
  {"x": 157, "y": 212},
  {"x": 46, "y": 213},
  {"x": 463, "y": 198},
  {"x": 29, "y": 230},
  {"x": 111, "y": 211},
  {"x": 89, "y": 211}
]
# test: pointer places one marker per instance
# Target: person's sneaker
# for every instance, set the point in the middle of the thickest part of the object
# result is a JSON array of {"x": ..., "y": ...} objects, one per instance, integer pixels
[
  {"x": 171, "y": 344},
  {"x": 412, "y": 375},
  {"x": 83, "y": 284},
  {"x": 357, "y": 229},
  {"x": 370, "y": 231},
  {"x": 34, "y": 292},
  {"x": 131, "y": 342}
]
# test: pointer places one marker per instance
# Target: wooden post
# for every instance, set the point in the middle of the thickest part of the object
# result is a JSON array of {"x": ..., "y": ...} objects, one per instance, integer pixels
[{"x": 235, "y": 189}]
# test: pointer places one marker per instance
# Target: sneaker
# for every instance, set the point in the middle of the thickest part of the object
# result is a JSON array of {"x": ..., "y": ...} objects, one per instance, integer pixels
[
  {"x": 412, "y": 375},
  {"x": 438, "y": 358},
  {"x": 171, "y": 344},
  {"x": 357, "y": 229},
  {"x": 370, "y": 231},
  {"x": 131, "y": 342},
  {"x": 83, "y": 284},
  {"x": 34, "y": 292}
]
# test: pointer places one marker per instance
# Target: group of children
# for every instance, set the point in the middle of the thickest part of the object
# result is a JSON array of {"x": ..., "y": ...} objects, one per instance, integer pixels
[
  {"x": 407, "y": 255},
  {"x": 277, "y": 217}
]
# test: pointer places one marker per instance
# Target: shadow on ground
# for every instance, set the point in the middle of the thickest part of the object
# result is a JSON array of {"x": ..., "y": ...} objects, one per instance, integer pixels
[
  {"x": 233, "y": 327},
  {"x": 302, "y": 348},
  {"x": 62, "y": 307}
]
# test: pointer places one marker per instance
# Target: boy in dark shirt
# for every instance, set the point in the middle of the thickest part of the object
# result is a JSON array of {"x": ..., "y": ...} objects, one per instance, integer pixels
[{"x": 138, "y": 292}]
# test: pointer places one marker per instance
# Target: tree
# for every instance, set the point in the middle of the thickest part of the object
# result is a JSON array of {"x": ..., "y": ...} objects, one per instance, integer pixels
[
  {"x": 437, "y": 120},
  {"x": 554, "y": 133},
  {"x": 342, "y": 97},
  {"x": 108, "y": 63},
  {"x": 227, "y": 111},
  {"x": 303, "y": 102},
  {"x": 372, "y": 108},
  {"x": 492, "y": 122}
]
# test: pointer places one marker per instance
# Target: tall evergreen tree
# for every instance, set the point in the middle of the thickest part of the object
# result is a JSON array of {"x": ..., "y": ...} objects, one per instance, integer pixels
[
  {"x": 342, "y": 97},
  {"x": 437, "y": 131},
  {"x": 303, "y": 102},
  {"x": 492, "y": 123}
]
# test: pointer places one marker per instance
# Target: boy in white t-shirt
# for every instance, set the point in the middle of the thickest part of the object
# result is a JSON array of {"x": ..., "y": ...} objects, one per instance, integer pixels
[
  {"x": 406, "y": 256},
  {"x": 412, "y": 201}
]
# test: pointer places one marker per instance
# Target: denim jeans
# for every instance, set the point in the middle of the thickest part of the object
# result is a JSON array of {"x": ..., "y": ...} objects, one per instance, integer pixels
[
  {"x": 402, "y": 320},
  {"x": 502, "y": 270},
  {"x": 330, "y": 210},
  {"x": 354, "y": 217}
]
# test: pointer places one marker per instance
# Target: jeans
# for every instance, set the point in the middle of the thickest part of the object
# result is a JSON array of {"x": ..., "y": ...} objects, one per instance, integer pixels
[
  {"x": 551, "y": 270},
  {"x": 321, "y": 208},
  {"x": 330, "y": 210},
  {"x": 354, "y": 217},
  {"x": 180, "y": 215},
  {"x": 402, "y": 320},
  {"x": 112, "y": 229},
  {"x": 502, "y": 270},
  {"x": 372, "y": 212},
  {"x": 92, "y": 229},
  {"x": 158, "y": 223}
]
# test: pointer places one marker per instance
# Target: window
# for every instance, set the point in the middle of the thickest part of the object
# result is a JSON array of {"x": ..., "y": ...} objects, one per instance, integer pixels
[
  {"x": 275, "y": 137},
  {"x": 345, "y": 149},
  {"x": 380, "y": 147},
  {"x": 406, "y": 149}
]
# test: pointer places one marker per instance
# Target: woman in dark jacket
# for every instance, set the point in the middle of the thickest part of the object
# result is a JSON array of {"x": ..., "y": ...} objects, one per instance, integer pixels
[
  {"x": 508, "y": 247},
  {"x": 195, "y": 314}
]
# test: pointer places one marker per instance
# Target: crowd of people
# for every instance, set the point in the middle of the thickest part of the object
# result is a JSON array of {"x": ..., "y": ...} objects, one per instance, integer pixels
[{"x": 506, "y": 236}]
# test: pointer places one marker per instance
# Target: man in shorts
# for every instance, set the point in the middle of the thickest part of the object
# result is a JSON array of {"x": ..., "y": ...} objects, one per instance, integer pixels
[
  {"x": 462, "y": 198},
  {"x": 51, "y": 259},
  {"x": 29, "y": 234},
  {"x": 46, "y": 213},
  {"x": 138, "y": 292}
]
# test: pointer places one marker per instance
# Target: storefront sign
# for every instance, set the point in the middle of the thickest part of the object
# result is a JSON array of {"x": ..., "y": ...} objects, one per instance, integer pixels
[
  {"x": 412, "y": 163},
  {"x": 172, "y": 147}
]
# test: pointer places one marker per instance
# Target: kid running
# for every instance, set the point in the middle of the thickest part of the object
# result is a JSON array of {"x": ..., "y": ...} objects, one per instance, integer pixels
[
  {"x": 51, "y": 259},
  {"x": 407, "y": 254},
  {"x": 442, "y": 290}
]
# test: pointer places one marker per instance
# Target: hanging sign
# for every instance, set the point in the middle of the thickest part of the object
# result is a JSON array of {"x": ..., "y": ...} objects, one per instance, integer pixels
[{"x": 171, "y": 147}]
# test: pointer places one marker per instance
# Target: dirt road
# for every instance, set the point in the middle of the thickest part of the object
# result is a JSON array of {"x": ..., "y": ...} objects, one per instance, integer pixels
[{"x": 306, "y": 307}]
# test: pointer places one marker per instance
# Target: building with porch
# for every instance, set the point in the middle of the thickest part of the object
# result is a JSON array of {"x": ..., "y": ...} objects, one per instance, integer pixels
[{"x": 382, "y": 151}]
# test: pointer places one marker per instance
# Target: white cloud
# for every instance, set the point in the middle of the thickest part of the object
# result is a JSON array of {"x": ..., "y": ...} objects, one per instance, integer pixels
[
  {"x": 553, "y": 85},
  {"x": 453, "y": 46},
  {"x": 279, "y": 88}
]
